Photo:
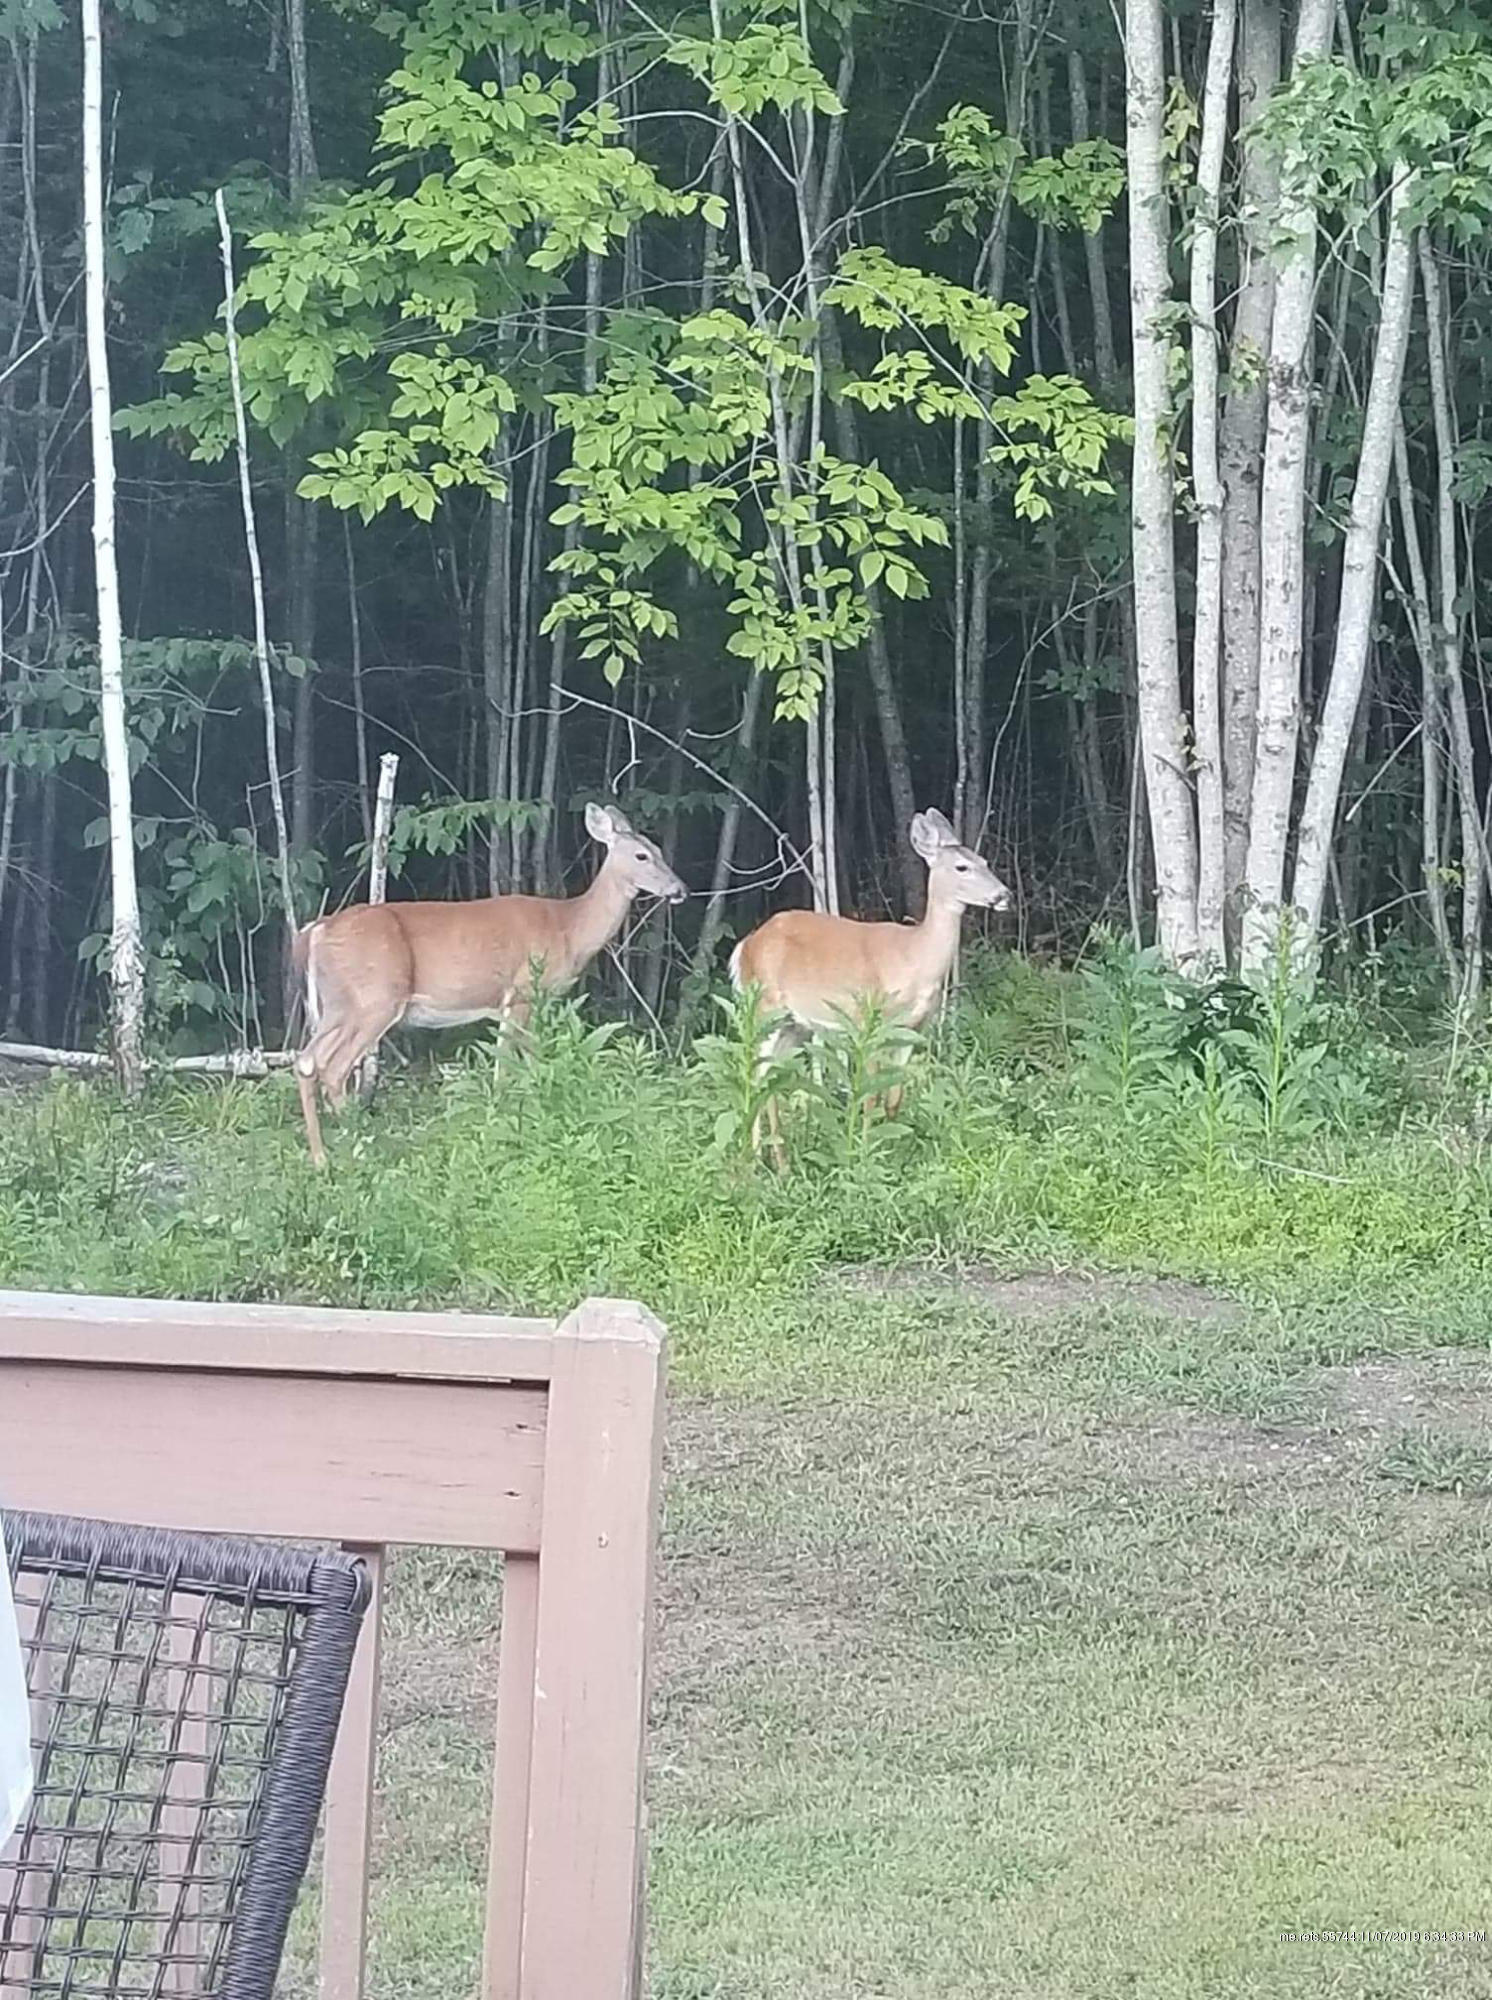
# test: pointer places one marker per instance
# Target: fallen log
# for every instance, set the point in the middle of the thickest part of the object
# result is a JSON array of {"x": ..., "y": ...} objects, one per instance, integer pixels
[{"x": 235, "y": 1062}]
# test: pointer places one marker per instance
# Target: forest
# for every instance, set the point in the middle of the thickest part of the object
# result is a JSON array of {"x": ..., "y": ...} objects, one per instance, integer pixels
[{"x": 774, "y": 418}]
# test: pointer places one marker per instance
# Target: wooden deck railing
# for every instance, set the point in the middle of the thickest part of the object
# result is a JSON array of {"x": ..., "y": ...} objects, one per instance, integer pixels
[{"x": 537, "y": 1439}]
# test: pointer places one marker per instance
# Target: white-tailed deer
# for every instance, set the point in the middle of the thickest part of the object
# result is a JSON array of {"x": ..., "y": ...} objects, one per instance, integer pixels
[
  {"x": 817, "y": 970},
  {"x": 440, "y": 965}
]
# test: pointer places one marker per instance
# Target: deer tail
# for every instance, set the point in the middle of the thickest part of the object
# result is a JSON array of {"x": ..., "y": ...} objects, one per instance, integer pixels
[{"x": 301, "y": 999}]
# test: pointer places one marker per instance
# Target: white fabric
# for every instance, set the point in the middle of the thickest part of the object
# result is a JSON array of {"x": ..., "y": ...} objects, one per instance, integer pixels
[{"x": 15, "y": 1713}]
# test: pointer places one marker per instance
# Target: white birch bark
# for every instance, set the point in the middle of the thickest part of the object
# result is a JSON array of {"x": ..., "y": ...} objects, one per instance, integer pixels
[
  {"x": 378, "y": 875},
  {"x": 1241, "y": 441},
  {"x": 1360, "y": 558},
  {"x": 1208, "y": 491},
  {"x": 256, "y": 571},
  {"x": 126, "y": 951},
  {"x": 1162, "y": 727},
  {"x": 1282, "y": 547}
]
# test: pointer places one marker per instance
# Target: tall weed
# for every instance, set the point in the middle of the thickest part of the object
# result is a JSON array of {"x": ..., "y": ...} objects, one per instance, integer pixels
[{"x": 1113, "y": 1117}]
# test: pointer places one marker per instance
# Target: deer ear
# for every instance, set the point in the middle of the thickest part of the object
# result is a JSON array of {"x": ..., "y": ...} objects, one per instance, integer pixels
[
  {"x": 941, "y": 827},
  {"x": 925, "y": 838},
  {"x": 599, "y": 823}
]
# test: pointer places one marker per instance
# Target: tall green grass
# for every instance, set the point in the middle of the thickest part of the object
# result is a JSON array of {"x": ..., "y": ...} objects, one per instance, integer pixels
[{"x": 1283, "y": 1151}]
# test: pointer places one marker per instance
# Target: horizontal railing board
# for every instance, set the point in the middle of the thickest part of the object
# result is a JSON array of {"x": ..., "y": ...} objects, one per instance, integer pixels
[
  {"x": 314, "y": 1458},
  {"x": 303, "y": 1340}
]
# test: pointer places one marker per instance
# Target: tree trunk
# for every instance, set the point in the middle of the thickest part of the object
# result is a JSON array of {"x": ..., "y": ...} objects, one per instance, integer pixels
[
  {"x": 1098, "y": 275},
  {"x": 256, "y": 573},
  {"x": 43, "y": 906},
  {"x": 1162, "y": 727},
  {"x": 528, "y": 702},
  {"x": 813, "y": 197},
  {"x": 1432, "y": 721},
  {"x": 359, "y": 699},
  {"x": 1354, "y": 625},
  {"x": 302, "y": 525},
  {"x": 1208, "y": 492},
  {"x": 302, "y": 149},
  {"x": 1282, "y": 549},
  {"x": 126, "y": 952},
  {"x": 971, "y": 800},
  {"x": 301, "y": 517},
  {"x": 725, "y": 852},
  {"x": 302, "y": 521},
  {"x": 878, "y": 664},
  {"x": 1448, "y": 631},
  {"x": 497, "y": 665},
  {"x": 1241, "y": 446},
  {"x": 785, "y": 545}
]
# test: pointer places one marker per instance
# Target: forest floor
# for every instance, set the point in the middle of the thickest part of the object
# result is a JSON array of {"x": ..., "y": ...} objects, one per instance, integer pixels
[{"x": 1077, "y": 1566}]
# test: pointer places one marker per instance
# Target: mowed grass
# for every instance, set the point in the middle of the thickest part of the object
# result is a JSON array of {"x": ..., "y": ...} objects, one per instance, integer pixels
[
  {"x": 1009, "y": 1687},
  {"x": 1076, "y": 1562}
]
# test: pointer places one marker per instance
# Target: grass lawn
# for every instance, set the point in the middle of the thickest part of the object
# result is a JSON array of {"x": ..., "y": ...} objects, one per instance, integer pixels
[
  {"x": 1076, "y": 1566},
  {"x": 1021, "y": 1675}
]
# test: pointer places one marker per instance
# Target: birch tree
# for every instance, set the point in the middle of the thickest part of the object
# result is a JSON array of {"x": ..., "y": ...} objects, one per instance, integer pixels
[
  {"x": 126, "y": 952},
  {"x": 1360, "y": 565},
  {"x": 1208, "y": 491},
  {"x": 1241, "y": 437},
  {"x": 1162, "y": 721},
  {"x": 1282, "y": 538}
]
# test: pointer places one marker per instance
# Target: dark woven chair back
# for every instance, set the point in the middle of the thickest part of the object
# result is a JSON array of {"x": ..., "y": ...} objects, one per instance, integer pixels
[{"x": 185, "y": 1695}]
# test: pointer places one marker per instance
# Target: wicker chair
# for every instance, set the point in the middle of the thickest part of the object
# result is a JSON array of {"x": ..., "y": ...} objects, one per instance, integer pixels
[{"x": 185, "y": 1694}]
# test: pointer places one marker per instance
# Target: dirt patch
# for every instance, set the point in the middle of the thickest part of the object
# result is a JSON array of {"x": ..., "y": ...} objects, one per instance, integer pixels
[
  {"x": 971, "y": 1459},
  {"x": 1449, "y": 1392},
  {"x": 1221, "y": 1449},
  {"x": 967, "y": 1460},
  {"x": 1045, "y": 1294}
]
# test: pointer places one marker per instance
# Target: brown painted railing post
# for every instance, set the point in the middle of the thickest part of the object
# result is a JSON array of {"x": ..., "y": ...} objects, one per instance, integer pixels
[
  {"x": 376, "y": 1429},
  {"x": 511, "y": 1764},
  {"x": 349, "y": 1809},
  {"x": 601, "y": 1481}
]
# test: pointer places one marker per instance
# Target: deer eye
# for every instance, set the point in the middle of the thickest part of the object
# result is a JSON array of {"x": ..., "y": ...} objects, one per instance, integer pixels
[
  {"x": 641, "y": 856},
  {"x": 961, "y": 867}
]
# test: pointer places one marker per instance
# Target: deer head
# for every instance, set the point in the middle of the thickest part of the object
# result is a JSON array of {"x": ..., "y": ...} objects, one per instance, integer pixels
[
  {"x": 955, "y": 873},
  {"x": 631, "y": 857}
]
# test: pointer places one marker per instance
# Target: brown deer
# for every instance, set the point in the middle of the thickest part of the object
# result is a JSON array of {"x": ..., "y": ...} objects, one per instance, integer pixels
[
  {"x": 816, "y": 969},
  {"x": 440, "y": 965}
]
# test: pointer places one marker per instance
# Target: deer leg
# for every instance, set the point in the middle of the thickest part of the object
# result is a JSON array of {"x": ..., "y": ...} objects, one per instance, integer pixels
[
  {"x": 328, "y": 1060},
  {"x": 894, "y": 1095},
  {"x": 357, "y": 1039},
  {"x": 774, "y": 1128},
  {"x": 777, "y": 1042},
  {"x": 313, "y": 1067},
  {"x": 511, "y": 1023},
  {"x": 306, "y": 1082}
]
